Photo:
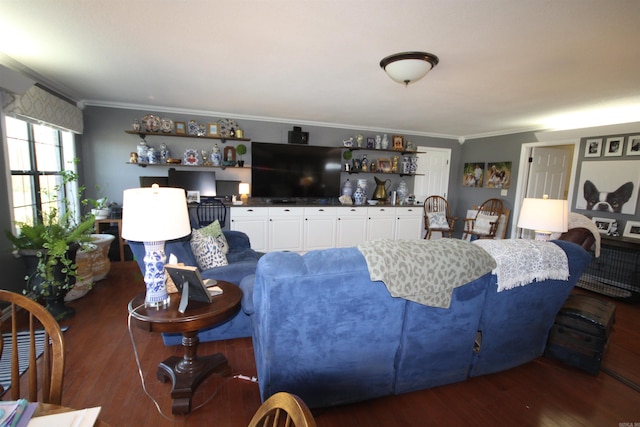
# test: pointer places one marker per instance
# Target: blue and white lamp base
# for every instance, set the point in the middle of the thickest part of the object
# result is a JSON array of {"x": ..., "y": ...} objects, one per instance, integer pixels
[{"x": 154, "y": 277}]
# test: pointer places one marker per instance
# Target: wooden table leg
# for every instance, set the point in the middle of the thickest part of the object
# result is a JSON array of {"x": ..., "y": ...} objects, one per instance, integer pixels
[{"x": 188, "y": 372}]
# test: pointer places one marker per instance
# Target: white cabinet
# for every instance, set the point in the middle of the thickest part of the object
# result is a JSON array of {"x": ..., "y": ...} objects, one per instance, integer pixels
[
  {"x": 381, "y": 222},
  {"x": 302, "y": 229},
  {"x": 409, "y": 223},
  {"x": 352, "y": 226},
  {"x": 253, "y": 222},
  {"x": 285, "y": 229},
  {"x": 319, "y": 228}
]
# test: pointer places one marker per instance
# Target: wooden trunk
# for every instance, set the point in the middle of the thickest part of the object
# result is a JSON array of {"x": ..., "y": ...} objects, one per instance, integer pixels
[{"x": 581, "y": 332}]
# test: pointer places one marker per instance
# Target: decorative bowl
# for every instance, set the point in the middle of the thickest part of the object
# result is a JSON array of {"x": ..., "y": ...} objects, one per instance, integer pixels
[{"x": 372, "y": 202}]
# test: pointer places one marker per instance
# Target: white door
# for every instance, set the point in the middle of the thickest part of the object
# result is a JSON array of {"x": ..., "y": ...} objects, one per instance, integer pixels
[
  {"x": 433, "y": 173},
  {"x": 548, "y": 171}
]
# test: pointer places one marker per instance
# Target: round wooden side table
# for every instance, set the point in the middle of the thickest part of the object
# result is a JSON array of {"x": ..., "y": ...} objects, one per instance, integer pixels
[{"x": 187, "y": 373}]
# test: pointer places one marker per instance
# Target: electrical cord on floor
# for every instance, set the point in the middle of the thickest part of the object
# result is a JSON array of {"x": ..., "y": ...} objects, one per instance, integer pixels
[
  {"x": 623, "y": 380},
  {"x": 144, "y": 386}
]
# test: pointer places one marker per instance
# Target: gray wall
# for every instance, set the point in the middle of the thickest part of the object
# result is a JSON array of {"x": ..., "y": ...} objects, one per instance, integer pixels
[
  {"x": 105, "y": 148},
  {"x": 504, "y": 148}
]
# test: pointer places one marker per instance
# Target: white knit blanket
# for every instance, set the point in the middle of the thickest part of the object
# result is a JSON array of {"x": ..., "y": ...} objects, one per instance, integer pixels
[
  {"x": 520, "y": 262},
  {"x": 425, "y": 271}
]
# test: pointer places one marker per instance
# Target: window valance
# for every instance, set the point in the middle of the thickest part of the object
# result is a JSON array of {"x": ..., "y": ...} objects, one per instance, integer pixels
[{"x": 38, "y": 104}]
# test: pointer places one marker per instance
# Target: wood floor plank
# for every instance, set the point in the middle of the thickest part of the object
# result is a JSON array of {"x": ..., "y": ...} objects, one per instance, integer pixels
[{"x": 101, "y": 371}]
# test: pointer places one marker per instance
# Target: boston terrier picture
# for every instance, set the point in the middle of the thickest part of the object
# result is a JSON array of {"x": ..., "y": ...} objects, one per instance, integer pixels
[{"x": 607, "y": 201}]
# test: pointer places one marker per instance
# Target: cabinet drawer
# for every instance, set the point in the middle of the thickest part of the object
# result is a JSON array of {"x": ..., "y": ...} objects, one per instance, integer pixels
[
  {"x": 284, "y": 211},
  {"x": 320, "y": 212},
  {"x": 380, "y": 211},
  {"x": 345, "y": 212},
  {"x": 248, "y": 212},
  {"x": 409, "y": 212}
]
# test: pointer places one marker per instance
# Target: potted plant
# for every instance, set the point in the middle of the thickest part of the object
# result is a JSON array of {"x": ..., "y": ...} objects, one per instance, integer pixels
[
  {"x": 241, "y": 150},
  {"x": 48, "y": 248}
]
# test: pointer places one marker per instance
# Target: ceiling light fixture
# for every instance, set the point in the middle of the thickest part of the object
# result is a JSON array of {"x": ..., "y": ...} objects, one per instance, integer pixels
[{"x": 409, "y": 67}]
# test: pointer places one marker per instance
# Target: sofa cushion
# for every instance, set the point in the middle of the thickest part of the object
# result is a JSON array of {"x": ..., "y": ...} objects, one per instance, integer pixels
[
  {"x": 438, "y": 220},
  {"x": 483, "y": 223},
  {"x": 214, "y": 230},
  {"x": 207, "y": 251}
]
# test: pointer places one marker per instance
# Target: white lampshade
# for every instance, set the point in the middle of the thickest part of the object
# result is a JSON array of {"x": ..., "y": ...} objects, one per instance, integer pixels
[
  {"x": 544, "y": 216},
  {"x": 408, "y": 67},
  {"x": 154, "y": 214},
  {"x": 243, "y": 188}
]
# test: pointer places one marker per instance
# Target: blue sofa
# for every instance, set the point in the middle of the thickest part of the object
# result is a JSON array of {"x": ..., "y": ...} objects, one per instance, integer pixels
[
  {"x": 242, "y": 263},
  {"x": 324, "y": 331}
]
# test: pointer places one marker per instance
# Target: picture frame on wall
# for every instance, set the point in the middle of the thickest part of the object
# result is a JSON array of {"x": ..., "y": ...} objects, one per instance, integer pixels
[
  {"x": 498, "y": 175},
  {"x": 633, "y": 146},
  {"x": 613, "y": 147},
  {"x": 597, "y": 183},
  {"x": 632, "y": 229},
  {"x": 181, "y": 128},
  {"x": 603, "y": 224},
  {"x": 593, "y": 147},
  {"x": 473, "y": 174}
]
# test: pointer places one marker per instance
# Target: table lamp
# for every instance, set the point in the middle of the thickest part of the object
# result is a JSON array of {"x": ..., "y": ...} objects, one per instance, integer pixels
[
  {"x": 243, "y": 189},
  {"x": 544, "y": 216},
  {"x": 154, "y": 215}
]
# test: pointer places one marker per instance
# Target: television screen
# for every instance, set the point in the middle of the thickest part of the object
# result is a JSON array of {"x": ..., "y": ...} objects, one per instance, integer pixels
[
  {"x": 202, "y": 181},
  {"x": 295, "y": 171}
]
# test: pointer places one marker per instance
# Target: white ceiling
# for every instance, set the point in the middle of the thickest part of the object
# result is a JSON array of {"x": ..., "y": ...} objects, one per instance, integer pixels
[{"x": 505, "y": 65}]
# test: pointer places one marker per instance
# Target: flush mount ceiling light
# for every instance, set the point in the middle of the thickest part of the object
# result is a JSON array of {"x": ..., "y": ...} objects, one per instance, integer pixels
[{"x": 409, "y": 67}]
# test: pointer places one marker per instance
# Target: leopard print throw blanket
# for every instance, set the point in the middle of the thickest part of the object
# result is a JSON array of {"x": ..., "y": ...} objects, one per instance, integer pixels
[{"x": 425, "y": 271}]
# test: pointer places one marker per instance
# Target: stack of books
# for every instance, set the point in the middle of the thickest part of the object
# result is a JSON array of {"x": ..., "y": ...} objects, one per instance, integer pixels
[{"x": 16, "y": 413}]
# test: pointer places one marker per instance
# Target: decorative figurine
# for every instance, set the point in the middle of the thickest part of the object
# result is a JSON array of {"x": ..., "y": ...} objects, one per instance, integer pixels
[
  {"x": 133, "y": 157},
  {"x": 136, "y": 125},
  {"x": 385, "y": 142},
  {"x": 378, "y": 142}
]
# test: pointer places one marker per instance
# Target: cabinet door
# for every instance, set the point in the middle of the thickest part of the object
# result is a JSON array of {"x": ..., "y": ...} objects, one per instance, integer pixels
[
  {"x": 285, "y": 229},
  {"x": 352, "y": 226},
  {"x": 409, "y": 223},
  {"x": 320, "y": 228},
  {"x": 253, "y": 222},
  {"x": 381, "y": 223}
]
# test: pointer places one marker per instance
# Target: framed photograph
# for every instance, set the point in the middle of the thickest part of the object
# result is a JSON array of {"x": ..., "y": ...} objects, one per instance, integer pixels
[
  {"x": 191, "y": 157},
  {"x": 213, "y": 129},
  {"x": 498, "y": 175},
  {"x": 384, "y": 165},
  {"x": 613, "y": 148},
  {"x": 181, "y": 128},
  {"x": 371, "y": 142},
  {"x": 602, "y": 190},
  {"x": 473, "y": 174},
  {"x": 398, "y": 143},
  {"x": 593, "y": 148},
  {"x": 632, "y": 229},
  {"x": 633, "y": 146},
  {"x": 603, "y": 224},
  {"x": 193, "y": 196}
]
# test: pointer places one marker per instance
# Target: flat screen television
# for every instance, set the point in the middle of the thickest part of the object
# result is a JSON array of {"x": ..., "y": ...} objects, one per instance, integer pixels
[
  {"x": 288, "y": 171},
  {"x": 202, "y": 181}
]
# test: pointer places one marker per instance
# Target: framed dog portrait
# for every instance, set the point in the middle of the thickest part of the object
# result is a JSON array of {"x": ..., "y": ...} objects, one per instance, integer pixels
[
  {"x": 632, "y": 229},
  {"x": 613, "y": 148},
  {"x": 603, "y": 224},
  {"x": 593, "y": 148},
  {"x": 609, "y": 186},
  {"x": 633, "y": 146}
]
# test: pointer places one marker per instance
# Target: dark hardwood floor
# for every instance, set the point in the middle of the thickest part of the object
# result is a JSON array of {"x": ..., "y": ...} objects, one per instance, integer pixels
[{"x": 101, "y": 371}]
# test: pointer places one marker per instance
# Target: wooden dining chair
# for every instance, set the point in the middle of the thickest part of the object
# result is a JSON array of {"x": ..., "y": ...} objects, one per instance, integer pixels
[
  {"x": 437, "y": 217},
  {"x": 485, "y": 223},
  {"x": 28, "y": 316},
  {"x": 210, "y": 210},
  {"x": 283, "y": 409}
]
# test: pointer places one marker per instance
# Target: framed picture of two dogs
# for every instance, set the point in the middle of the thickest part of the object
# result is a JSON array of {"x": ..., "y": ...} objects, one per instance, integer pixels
[{"x": 489, "y": 175}]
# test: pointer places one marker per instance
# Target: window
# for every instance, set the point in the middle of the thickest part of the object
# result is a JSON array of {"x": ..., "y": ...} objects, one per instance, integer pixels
[{"x": 37, "y": 154}]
